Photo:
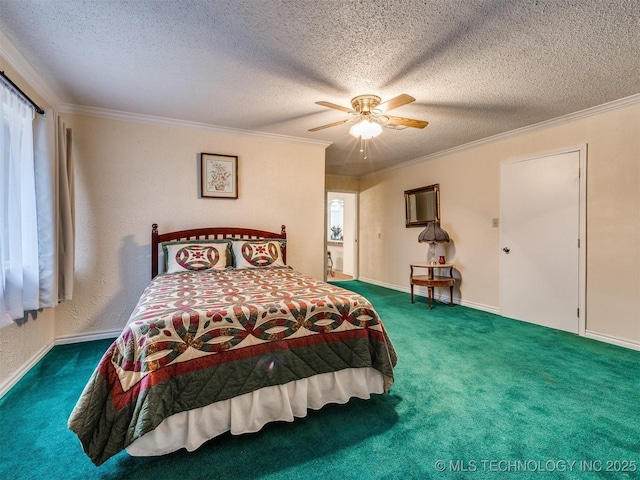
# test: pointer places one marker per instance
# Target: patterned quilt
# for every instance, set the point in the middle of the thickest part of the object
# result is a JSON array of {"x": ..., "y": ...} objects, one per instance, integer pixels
[{"x": 196, "y": 338}]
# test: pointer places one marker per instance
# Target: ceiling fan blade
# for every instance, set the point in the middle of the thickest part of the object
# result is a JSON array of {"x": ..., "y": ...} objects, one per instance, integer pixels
[
  {"x": 337, "y": 107},
  {"x": 395, "y": 102},
  {"x": 329, "y": 125},
  {"x": 407, "y": 122}
]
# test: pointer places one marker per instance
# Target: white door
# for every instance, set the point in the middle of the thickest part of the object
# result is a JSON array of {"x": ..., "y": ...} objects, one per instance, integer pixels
[
  {"x": 540, "y": 228},
  {"x": 350, "y": 238}
]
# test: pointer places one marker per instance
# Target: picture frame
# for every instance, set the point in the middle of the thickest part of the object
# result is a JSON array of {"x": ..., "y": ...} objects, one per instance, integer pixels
[{"x": 218, "y": 176}]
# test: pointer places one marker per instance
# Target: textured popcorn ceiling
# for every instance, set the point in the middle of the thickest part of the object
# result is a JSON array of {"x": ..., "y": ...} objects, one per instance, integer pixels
[{"x": 476, "y": 68}]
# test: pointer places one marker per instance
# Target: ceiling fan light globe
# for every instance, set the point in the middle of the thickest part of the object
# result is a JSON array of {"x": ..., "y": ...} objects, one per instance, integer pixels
[
  {"x": 375, "y": 129},
  {"x": 356, "y": 130},
  {"x": 366, "y": 129},
  {"x": 369, "y": 129}
]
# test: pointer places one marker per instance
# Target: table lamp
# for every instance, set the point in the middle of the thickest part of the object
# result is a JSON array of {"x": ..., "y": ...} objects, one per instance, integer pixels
[{"x": 432, "y": 235}]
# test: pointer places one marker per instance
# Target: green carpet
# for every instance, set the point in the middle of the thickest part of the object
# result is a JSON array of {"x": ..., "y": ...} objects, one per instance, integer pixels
[{"x": 476, "y": 396}]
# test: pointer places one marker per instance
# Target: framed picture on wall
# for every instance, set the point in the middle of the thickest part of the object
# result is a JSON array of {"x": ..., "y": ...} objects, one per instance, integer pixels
[{"x": 219, "y": 176}]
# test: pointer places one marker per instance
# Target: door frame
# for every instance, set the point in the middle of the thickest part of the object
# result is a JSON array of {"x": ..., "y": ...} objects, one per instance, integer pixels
[
  {"x": 356, "y": 225},
  {"x": 582, "y": 222}
]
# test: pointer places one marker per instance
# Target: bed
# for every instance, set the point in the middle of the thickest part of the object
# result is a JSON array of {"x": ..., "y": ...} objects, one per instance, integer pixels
[{"x": 227, "y": 338}]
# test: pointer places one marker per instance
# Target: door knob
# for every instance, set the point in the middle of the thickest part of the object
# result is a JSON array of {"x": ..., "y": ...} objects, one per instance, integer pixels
[{"x": 506, "y": 249}]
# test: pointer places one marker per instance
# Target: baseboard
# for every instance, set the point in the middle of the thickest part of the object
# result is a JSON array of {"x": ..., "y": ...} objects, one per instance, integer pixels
[
  {"x": 10, "y": 382},
  {"x": 479, "y": 306},
  {"x": 88, "y": 337},
  {"x": 422, "y": 291},
  {"x": 621, "y": 342},
  {"x": 381, "y": 284},
  {"x": 439, "y": 296}
]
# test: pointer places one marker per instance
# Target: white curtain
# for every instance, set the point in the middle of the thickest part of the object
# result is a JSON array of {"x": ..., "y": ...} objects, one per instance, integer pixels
[
  {"x": 44, "y": 161},
  {"x": 19, "y": 264},
  {"x": 65, "y": 214}
]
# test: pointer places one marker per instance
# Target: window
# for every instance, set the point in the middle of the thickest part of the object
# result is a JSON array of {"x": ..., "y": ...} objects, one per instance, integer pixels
[
  {"x": 19, "y": 253},
  {"x": 335, "y": 217},
  {"x": 27, "y": 208}
]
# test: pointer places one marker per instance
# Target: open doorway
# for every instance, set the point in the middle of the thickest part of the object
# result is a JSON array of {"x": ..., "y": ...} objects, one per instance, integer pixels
[{"x": 341, "y": 236}]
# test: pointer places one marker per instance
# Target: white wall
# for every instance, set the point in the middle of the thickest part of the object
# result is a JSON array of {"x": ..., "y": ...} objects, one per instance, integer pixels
[
  {"x": 130, "y": 175},
  {"x": 469, "y": 181}
]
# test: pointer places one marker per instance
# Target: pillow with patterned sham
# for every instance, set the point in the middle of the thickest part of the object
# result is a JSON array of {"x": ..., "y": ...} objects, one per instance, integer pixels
[
  {"x": 196, "y": 256},
  {"x": 257, "y": 253}
]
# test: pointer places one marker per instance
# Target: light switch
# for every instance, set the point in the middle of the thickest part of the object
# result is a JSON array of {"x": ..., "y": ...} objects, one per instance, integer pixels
[{"x": 494, "y": 223}]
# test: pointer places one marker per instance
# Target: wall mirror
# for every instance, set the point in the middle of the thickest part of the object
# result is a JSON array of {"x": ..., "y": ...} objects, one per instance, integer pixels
[{"x": 422, "y": 205}]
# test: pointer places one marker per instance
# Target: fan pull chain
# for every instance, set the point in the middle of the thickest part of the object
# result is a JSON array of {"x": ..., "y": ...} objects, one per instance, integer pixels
[{"x": 363, "y": 148}]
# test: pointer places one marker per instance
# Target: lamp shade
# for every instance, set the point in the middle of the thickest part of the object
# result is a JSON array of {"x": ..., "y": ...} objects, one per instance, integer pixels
[{"x": 433, "y": 234}]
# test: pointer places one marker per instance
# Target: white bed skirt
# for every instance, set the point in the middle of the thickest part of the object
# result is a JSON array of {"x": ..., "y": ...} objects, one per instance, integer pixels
[{"x": 251, "y": 411}]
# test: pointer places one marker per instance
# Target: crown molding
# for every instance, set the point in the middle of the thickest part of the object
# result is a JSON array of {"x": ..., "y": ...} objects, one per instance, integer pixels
[
  {"x": 30, "y": 75},
  {"x": 598, "y": 109},
  {"x": 169, "y": 122}
]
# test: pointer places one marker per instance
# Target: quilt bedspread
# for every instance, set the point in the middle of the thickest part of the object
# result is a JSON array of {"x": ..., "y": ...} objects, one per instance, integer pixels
[{"x": 196, "y": 338}]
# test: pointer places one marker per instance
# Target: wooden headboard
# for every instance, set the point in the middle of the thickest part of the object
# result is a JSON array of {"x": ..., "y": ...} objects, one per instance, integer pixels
[{"x": 213, "y": 233}]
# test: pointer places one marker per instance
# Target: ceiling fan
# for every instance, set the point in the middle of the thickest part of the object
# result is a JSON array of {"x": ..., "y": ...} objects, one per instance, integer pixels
[{"x": 369, "y": 112}]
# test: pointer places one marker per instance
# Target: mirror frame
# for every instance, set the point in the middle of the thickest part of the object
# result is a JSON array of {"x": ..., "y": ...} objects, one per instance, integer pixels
[{"x": 407, "y": 205}]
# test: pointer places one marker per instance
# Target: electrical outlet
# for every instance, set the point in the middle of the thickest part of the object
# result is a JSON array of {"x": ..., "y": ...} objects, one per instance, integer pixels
[{"x": 494, "y": 223}]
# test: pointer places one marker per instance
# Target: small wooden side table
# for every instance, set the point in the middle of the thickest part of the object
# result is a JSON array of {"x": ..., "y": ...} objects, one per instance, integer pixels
[{"x": 430, "y": 280}]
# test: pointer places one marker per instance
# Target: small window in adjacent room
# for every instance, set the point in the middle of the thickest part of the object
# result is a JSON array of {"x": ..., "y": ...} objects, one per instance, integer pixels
[{"x": 335, "y": 217}]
